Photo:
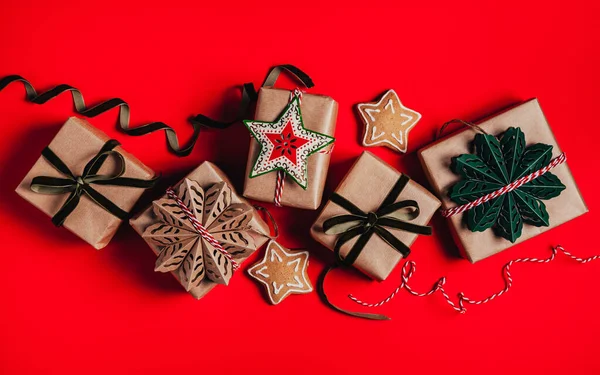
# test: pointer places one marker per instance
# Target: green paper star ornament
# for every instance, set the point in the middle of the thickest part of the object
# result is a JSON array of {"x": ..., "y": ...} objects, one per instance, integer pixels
[{"x": 495, "y": 164}]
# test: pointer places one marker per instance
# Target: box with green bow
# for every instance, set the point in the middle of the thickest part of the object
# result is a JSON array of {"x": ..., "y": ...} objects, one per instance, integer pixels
[
  {"x": 86, "y": 182},
  {"x": 374, "y": 217}
]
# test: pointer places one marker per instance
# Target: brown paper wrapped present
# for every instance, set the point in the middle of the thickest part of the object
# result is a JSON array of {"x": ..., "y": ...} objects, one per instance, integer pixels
[
  {"x": 565, "y": 204},
  {"x": 390, "y": 202},
  {"x": 205, "y": 255},
  {"x": 319, "y": 114},
  {"x": 76, "y": 145}
]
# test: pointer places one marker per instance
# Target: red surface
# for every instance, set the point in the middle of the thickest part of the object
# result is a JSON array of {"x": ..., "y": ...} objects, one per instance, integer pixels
[{"x": 69, "y": 309}]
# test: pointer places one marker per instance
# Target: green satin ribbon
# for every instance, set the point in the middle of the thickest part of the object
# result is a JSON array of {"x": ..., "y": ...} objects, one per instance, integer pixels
[
  {"x": 364, "y": 225},
  {"x": 249, "y": 96},
  {"x": 76, "y": 186}
]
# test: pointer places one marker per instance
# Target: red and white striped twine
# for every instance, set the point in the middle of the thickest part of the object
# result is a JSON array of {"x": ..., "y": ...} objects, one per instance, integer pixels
[
  {"x": 200, "y": 228},
  {"x": 280, "y": 182},
  {"x": 279, "y": 187},
  {"x": 328, "y": 150},
  {"x": 409, "y": 269},
  {"x": 510, "y": 187}
]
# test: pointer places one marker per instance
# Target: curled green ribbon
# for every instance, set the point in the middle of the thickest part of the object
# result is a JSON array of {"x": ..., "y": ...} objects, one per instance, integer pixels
[
  {"x": 364, "y": 225},
  {"x": 81, "y": 108},
  {"x": 78, "y": 185},
  {"x": 199, "y": 121}
]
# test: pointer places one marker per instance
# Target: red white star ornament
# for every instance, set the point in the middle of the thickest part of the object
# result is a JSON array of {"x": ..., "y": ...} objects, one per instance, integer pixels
[{"x": 286, "y": 144}]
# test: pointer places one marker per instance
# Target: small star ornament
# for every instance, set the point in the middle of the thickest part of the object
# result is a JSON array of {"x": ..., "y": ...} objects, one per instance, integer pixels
[
  {"x": 286, "y": 144},
  {"x": 282, "y": 272},
  {"x": 387, "y": 122}
]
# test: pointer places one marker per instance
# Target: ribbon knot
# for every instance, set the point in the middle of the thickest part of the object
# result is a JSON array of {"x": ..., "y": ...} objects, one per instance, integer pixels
[
  {"x": 371, "y": 219},
  {"x": 391, "y": 214},
  {"x": 78, "y": 185}
]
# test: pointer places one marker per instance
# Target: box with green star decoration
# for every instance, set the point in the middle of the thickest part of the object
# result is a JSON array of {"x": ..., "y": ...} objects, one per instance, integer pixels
[
  {"x": 502, "y": 182},
  {"x": 292, "y": 138}
]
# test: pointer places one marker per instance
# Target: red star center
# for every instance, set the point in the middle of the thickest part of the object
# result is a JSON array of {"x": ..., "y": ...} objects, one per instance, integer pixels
[{"x": 286, "y": 144}]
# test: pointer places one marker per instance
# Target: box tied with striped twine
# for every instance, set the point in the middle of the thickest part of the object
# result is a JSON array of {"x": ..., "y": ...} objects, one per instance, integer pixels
[
  {"x": 285, "y": 144},
  {"x": 539, "y": 166}
]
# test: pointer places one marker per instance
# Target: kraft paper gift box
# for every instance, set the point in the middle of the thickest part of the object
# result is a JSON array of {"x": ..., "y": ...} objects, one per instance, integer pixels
[
  {"x": 319, "y": 114},
  {"x": 366, "y": 185},
  {"x": 436, "y": 160},
  {"x": 76, "y": 143},
  {"x": 206, "y": 176}
]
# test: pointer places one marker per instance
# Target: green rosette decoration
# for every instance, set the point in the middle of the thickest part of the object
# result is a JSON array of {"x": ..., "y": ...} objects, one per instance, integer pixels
[{"x": 495, "y": 164}]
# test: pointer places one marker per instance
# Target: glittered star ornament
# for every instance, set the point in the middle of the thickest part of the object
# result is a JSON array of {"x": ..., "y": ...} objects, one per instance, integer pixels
[
  {"x": 282, "y": 272},
  {"x": 286, "y": 144},
  {"x": 387, "y": 122}
]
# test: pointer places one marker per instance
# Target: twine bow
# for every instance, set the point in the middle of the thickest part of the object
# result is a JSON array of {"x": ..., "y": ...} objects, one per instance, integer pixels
[
  {"x": 78, "y": 185},
  {"x": 391, "y": 214}
]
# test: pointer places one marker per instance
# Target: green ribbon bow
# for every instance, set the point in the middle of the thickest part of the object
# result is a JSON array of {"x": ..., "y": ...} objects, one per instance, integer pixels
[
  {"x": 78, "y": 185},
  {"x": 359, "y": 223},
  {"x": 390, "y": 214}
]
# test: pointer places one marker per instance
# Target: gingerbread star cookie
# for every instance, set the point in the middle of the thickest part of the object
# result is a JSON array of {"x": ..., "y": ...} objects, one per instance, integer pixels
[
  {"x": 282, "y": 272},
  {"x": 387, "y": 122}
]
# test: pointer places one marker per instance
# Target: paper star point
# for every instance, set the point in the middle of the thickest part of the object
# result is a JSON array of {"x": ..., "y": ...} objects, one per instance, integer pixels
[
  {"x": 286, "y": 144},
  {"x": 282, "y": 272},
  {"x": 387, "y": 122}
]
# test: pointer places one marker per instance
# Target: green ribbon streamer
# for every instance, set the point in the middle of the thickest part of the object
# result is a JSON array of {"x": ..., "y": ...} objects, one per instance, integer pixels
[
  {"x": 364, "y": 225},
  {"x": 78, "y": 185},
  {"x": 124, "y": 112},
  {"x": 249, "y": 96}
]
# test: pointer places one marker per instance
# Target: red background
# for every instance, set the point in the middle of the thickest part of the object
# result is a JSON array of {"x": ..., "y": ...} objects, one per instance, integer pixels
[{"x": 67, "y": 308}]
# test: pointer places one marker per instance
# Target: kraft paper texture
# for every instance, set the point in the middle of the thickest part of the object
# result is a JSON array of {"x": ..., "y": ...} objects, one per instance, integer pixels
[
  {"x": 75, "y": 144},
  {"x": 319, "y": 114}
]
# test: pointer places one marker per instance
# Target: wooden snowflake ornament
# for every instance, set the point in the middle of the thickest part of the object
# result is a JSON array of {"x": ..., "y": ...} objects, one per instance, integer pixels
[
  {"x": 282, "y": 272},
  {"x": 387, "y": 122},
  {"x": 286, "y": 144},
  {"x": 205, "y": 244}
]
